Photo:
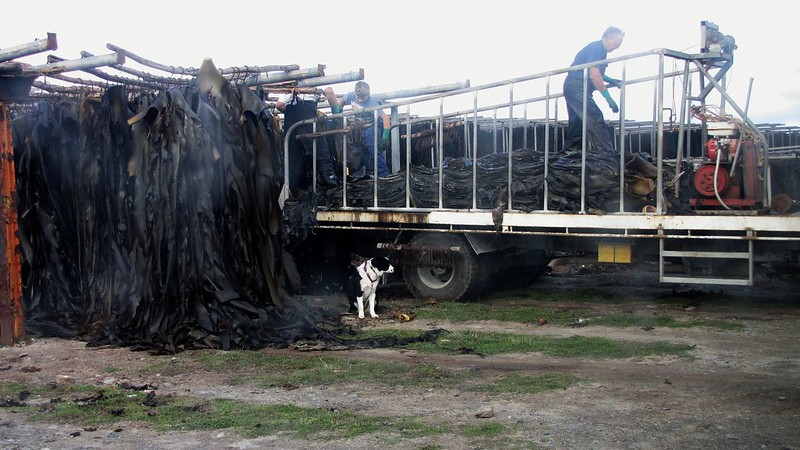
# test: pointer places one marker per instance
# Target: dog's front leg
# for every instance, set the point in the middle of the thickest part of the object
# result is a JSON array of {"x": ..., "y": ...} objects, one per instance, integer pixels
[
  {"x": 372, "y": 305},
  {"x": 360, "y": 304}
]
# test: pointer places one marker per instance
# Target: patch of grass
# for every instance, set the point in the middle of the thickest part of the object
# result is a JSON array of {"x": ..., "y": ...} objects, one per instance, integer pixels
[
  {"x": 109, "y": 406},
  {"x": 489, "y": 344},
  {"x": 623, "y": 320},
  {"x": 581, "y": 295},
  {"x": 509, "y": 312},
  {"x": 466, "y": 312}
]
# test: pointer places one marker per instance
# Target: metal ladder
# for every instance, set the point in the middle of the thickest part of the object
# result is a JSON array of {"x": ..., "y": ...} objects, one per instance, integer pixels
[{"x": 689, "y": 254}]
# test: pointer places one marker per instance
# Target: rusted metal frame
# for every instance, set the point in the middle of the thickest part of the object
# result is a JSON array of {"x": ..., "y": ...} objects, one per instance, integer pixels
[
  {"x": 31, "y": 48},
  {"x": 12, "y": 327},
  {"x": 317, "y": 134}
]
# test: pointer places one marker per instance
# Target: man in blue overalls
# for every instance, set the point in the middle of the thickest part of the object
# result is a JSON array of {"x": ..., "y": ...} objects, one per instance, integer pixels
[
  {"x": 359, "y": 99},
  {"x": 596, "y": 129}
]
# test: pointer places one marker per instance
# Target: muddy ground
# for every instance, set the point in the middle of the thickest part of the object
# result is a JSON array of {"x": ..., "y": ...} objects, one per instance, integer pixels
[{"x": 739, "y": 389}]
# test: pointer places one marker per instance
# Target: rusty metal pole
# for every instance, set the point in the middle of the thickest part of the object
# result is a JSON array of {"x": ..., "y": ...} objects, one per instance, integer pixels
[{"x": 12, "y": 328}]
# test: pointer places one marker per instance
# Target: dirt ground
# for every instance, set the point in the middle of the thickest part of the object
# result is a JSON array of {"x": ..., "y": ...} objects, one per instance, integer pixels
[{"x": 740, "y": 389}]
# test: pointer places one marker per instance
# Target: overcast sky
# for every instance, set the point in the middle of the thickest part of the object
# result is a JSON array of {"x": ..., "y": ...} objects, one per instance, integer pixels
[{"x": 412, "y": 43}]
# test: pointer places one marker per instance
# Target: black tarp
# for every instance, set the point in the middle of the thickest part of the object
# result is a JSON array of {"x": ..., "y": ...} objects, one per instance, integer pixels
[
  {"x": 527, "y": 183},
  {"x": 162, "y": 234}
]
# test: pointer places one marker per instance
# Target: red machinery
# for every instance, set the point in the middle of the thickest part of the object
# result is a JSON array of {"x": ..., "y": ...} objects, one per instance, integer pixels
[{"x": 729, "y": 174}]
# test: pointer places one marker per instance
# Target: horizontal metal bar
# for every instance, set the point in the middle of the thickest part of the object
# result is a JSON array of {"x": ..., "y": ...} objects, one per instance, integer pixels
[
  {"x": 790, "y": 225},
  {"x": 695, "y": 254},
  {"x": 76, "y": 64},
  {"x": 700, "y": 280},
  {"x": 37, "y": 46}
]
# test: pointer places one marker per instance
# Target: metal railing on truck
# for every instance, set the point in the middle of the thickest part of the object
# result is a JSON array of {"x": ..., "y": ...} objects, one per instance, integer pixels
[{"x": 499, "y": 106}]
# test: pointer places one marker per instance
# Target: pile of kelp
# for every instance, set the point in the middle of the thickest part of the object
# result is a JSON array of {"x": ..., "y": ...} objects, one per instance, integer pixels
[
  {"x": 602, "y": 186},
  {"x": 152, "y": 221}
]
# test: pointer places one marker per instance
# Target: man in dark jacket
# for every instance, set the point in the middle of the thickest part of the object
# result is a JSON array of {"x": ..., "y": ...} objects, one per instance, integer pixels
[
  {"x": 596, "y": 129},
  {"x": 296, "y": 107}
]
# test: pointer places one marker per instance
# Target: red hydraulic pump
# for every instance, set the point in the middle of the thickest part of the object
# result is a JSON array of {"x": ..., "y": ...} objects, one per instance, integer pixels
[{"x": 728, "y": 177}]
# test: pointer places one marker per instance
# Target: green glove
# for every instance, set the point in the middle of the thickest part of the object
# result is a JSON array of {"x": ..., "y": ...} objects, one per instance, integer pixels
[
  {"x": 385, "y": 138},
  {"x": 611, "y": 103},
  {"x": 612, "y": 82}
]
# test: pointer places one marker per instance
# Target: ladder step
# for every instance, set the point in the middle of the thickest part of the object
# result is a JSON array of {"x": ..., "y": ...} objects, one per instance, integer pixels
[
  {"x": 702, "y": 280},
  {"x": 691, "y": 254}
]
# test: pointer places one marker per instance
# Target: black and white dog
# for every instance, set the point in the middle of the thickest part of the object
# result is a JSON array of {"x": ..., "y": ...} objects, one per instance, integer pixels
[{"x": 363, "y": 284}]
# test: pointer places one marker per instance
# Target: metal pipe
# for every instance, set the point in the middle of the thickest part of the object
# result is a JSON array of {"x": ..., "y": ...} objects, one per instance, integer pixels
[
  {"x": 510, "y": 143},
  {"x": 404, "y": 93},
  {"x": 31, "y": 48},
  {"x": 76, "y": 64},
  {"x": 279, "y": 77},
  {"x": 408, "y": 156},
  {"x": 622, "y": 101},
  {"x": 475, "y": 150},
  {"x": 355, "y": 75},
  {"x": 153, "y": 65},
  {"x": 660, "y": 138},
  {"x": 164, "y": 81},
  {"x": 546, "y": 142},
  {"x": 583, "y": 139},
  {"x": 682, "y": 125}
]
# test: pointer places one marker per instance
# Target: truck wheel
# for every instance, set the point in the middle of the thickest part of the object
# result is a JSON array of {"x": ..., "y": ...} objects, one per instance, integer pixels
[{"x": 464, "y": 281}]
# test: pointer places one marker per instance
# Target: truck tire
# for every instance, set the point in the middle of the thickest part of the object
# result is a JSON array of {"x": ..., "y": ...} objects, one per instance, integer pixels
[{"x": 464, "y": 281}]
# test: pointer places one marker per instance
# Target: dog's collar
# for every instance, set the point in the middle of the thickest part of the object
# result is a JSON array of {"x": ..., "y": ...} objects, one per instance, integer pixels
[{"x": 367, "y": 271}]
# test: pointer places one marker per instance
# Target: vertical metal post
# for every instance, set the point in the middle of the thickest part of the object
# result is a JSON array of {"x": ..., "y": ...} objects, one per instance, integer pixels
[
  {"x": 408, "y": 156},
  {"x": 510, "y": 142},
  {"x": 584, "y": 141},
  {"x": 376, "y": 150},
  {"x": 12, "y": 324},
  {"x": 660, "y": 137},
  {"x": 475, "y": 150},
  {"x": 682, "y": 122},
  {"x": 546, "y": 193},
  {"x": 440, "y": 150},
  {"x": 622, "y": 101}
]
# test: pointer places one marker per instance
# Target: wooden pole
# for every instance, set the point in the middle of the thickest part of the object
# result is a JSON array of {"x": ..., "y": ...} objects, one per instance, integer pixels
[{"x": 12, "y": 325}]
